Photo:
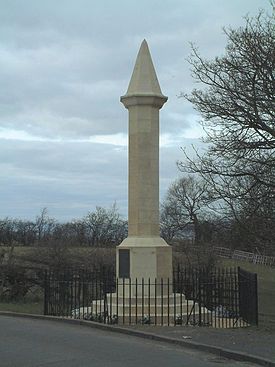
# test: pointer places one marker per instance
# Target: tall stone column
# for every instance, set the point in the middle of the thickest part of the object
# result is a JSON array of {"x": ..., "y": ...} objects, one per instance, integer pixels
[{"x": 144, "y": 254}]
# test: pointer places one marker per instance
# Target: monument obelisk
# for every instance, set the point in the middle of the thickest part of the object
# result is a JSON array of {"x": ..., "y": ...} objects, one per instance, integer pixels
[
  {"x": 143, "y": 254},
  {"x": 144, "y": 287}
]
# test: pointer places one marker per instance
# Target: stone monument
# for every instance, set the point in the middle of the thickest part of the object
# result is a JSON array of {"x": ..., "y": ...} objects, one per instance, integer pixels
[
  {"x": 143, "y": 254},
  {"x": 144, "y": 285}
]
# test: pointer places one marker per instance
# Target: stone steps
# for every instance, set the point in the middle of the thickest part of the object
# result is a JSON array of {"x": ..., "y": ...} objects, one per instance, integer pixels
[
  {"x": 165, "y": 299},
  {"x": 119, "y": 308},
  {"x": 168, "y": 307}
]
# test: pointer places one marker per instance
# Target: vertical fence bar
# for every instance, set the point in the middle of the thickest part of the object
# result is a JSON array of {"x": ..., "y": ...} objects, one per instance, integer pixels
[
  {"x": 67, "y": 298},
  {"x": 136, "y": 301},
  {"x": 199, "y": 297},
  {"x": 221, "y": 297},
  {"x": 236, "y": 305},
  {"x": 186, "y": 297},
  {"x": 210, "y": 317},
  {"x": 117, "y": 285},
  {"x": 105, "y": 303},
  {"x": 142, "y": 300},
  {"x": 175, "y": 290},
  {"x": 75, "y": 295},
  {"x": 256, "y": 299},
  {"x": 52, "y": 292},
  {"x": 215, "y": 297},
  {"x": 161, "y": 301},
  {"x": 203, "y": 286},
  {"x": 110, "y": 315},
  {"x": 195, "y": 290},
  {"x": 232, "y": 316},
  {"x": 91, "y": 288},
  {"x": 63, "y": 295},
  {"x": 95, "y": 279},
  {"x": 239, "y": 297},
  {"x": 233, "y": 296},
  {"x": 156, "y": 312},
  {"x": 168, "y": 302},
  {"x": 227, "y": 316},
  {"x": 72, "y": 295},
  {"x": 149, "y": 300},
  {"x": 69, "y": 292},
  {"x": 123, "y": 300},
  {"x": 46, "y": 295},
  {"x": 81, "y": 292},
  {"x": 100, "y": 296},
  {"x": 204, "y": 291},
  {"x": 130, "y": 301},
  {"x": 219, "y": 294},
  {"x": 57, "y": 293},
  {"x": 228, "y": 284},
  {"x": 225, "y": 304},
  {"x": 60, "y": 294}
]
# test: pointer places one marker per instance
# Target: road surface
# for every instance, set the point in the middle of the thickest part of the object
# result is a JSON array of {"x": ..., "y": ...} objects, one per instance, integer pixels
[{"x": 41, "y": 343}]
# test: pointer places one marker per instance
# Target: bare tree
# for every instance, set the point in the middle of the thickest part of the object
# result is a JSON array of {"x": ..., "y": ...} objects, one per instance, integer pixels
[
  {"x": 186, "y": 204},
  {"x": 44, "y": 226},
  {"x": 170, "y": 227},
  {"x": 237, "y": 104},
  {"x": 7, "y": 231},
  {"x": 104, "y": 227},
  {"x": 25, "y": 232},
  {"x": 252, "y": 218}
]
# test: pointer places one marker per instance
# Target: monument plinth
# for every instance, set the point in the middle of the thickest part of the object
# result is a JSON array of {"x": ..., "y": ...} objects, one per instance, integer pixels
[{"x": 143, "y": 254}]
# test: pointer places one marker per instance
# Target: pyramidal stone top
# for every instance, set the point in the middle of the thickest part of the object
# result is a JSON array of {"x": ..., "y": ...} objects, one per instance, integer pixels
[{"x": 144, "y": 79}]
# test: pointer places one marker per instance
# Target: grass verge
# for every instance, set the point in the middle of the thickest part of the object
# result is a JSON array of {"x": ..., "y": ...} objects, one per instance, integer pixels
[{"x": 23, "y": 307}]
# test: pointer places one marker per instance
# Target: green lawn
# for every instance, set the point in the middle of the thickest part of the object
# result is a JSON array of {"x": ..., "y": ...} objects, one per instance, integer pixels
[{"x": 266, "y": 290}]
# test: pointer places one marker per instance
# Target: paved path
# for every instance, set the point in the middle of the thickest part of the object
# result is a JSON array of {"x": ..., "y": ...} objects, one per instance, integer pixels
[{"x": 40, "y": 343}]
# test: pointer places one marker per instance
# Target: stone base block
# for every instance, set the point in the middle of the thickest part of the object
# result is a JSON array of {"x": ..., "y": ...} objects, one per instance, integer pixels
[{"x": 144, "y": 258}]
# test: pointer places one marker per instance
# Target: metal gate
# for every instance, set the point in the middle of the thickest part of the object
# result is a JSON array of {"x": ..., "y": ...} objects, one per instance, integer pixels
[{"x": 248, "y": 296}]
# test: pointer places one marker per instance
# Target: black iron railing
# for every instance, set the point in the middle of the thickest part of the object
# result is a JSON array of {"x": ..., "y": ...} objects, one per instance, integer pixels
[{"x": 218, "y": 297}]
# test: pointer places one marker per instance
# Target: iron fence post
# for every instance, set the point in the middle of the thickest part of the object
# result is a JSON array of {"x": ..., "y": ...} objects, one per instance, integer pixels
[
  {"x": 46, "y": 311},
  {"x": 199, "y": 296},
  {"x": 256, "y": 298}
]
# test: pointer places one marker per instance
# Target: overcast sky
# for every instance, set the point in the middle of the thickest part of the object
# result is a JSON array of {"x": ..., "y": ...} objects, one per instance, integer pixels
[{"x": 63, "y": 67}]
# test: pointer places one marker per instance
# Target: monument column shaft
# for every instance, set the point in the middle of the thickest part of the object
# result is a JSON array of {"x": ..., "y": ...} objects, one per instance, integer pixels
[
  {"x": 143, "y": 254},
  {"x": 143, "y": 215}
]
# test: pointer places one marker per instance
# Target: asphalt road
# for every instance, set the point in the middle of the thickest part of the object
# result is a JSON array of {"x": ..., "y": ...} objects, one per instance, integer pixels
[{"x": 40, "y": 343}]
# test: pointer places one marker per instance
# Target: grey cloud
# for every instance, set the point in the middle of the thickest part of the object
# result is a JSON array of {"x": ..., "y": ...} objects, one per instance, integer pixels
[
  {"x": 72, "y": 60},
  {"x": 64, "y": 65}
]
